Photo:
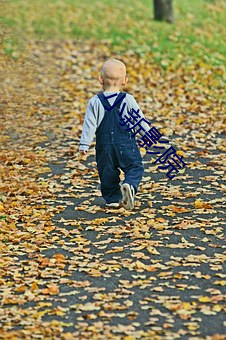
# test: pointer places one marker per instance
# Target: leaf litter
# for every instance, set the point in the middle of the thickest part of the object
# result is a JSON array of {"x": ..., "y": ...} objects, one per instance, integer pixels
[{"x": 71, "y": 268}]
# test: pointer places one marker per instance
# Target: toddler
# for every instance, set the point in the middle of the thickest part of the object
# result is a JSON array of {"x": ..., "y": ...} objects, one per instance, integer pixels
[{"x": 116, "y": 147}]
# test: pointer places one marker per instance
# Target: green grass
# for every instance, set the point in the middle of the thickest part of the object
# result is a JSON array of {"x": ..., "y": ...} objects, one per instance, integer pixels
[{"x": 198, "y": 31}]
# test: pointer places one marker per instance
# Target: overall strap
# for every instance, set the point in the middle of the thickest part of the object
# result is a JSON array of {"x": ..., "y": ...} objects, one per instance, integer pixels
[{"x": 106, "y": 103}]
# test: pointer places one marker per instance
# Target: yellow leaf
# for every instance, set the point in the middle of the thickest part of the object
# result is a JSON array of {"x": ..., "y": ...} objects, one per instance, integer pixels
[
  {"x": 100, "y": 221},
  {"x": 204, "y": 299},
  {"x": 222, "y": 282},
  {"x": 192, "y": 326},
  {"x": 78, "y": 239},
  {"x": 160, "y": 226},
  {"x": 217, "y": 308},
  {"x": 115, "y": 250},
  {"x": 158, "y": 289},
  {"x": 38, "y": 315},
  {"x": 67, "y": 336},
  {"x": 44, "y": 304},
  {"x": 200, "y": 204},
  {"x": 140, "y": 265},
  {"x": 187, "y": 306},
  {"x": 180, "y": 153},
  {"x": 153, "y": 251},
  {"x": 1, "y": 208}
]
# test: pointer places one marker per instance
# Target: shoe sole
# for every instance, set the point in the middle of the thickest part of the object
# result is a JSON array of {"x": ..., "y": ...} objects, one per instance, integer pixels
[
  {"x": 114, "y": 206},
  {"x": 127, "y": 197}
]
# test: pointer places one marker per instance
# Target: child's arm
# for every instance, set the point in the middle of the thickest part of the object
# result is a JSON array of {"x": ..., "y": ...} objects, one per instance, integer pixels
[
  {"x": 132, "y": 104},
  {"x": 89, "y": 129}
]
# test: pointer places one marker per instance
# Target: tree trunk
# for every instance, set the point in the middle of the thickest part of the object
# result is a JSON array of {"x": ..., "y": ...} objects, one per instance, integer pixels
[{"x": 163, "y": 10}]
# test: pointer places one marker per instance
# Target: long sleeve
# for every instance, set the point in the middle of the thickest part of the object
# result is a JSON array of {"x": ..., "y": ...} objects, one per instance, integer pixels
[{"x": 89, "y": 128}]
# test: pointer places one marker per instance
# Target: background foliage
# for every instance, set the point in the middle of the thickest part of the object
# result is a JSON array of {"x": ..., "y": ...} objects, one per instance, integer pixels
[{"x": 199, "y": 31}]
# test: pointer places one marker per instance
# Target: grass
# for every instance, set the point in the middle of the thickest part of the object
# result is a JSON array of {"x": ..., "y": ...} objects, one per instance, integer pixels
[{"x": 197, "y": 33}]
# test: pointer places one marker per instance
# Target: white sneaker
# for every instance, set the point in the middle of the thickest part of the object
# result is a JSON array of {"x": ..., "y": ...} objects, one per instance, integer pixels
[
  {"x": 128, "y": 194},
  {"x": 112, "y": 205}
]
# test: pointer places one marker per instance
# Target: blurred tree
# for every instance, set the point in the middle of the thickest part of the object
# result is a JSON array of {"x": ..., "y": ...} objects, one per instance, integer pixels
[{"x": 163, "y": 10}]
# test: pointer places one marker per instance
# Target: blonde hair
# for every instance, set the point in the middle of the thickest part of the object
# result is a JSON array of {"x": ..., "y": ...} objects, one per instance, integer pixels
[{"x": 112, "y": 75}]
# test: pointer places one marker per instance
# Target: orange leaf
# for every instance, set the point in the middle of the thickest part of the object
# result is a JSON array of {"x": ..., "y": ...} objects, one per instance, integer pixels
[
  {"x": 34, "y": 286},
  {"x": 20, "y": 289},
  {"x": 59, "y": 257},
  {"x": 53, "y": 289}
]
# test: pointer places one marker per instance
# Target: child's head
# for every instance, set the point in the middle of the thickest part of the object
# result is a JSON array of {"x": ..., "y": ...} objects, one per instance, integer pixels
[{"x": 113, "y": 75}]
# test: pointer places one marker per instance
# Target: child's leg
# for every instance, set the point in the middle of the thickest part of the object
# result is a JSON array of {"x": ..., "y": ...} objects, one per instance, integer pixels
[
  {"x": 131, "y": 164},
  {"x": 107, "y": 166}
]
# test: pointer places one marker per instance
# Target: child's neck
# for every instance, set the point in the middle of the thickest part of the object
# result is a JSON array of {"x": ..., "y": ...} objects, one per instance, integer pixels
[{"x": 112, "y": 89}]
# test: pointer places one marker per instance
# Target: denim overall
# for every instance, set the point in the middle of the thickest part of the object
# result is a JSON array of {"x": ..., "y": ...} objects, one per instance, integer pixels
[{"x": 116, "y": 149}]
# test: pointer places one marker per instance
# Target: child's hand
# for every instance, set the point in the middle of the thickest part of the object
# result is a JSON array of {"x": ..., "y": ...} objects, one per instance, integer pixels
[{"x": 83, "y": 152}]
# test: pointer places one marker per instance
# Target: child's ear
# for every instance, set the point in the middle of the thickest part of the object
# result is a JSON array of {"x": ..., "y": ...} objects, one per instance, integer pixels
[
  {"x": 125, "y": 81},
  {"x": 101, "y": 80}
]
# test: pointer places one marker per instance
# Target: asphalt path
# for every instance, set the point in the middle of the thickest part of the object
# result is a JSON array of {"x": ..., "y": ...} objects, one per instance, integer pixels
[{"x": 181, "y": 295}]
